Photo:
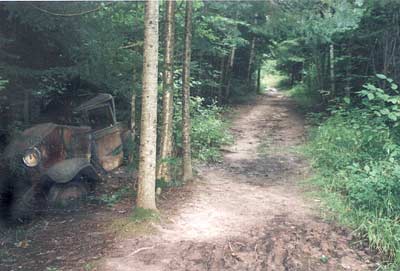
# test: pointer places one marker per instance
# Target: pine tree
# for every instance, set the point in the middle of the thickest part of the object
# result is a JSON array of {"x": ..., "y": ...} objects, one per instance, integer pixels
[
  {"x": 187, "y": 157},
  {"x": 148, "y": 131},
  {"x": 163, "y": 170}
]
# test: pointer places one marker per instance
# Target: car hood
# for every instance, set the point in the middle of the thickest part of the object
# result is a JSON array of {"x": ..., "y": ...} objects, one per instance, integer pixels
[{"x": 28, "y": 138}]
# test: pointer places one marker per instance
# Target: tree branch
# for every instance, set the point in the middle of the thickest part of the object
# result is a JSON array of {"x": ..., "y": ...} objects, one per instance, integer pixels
[
  {"x": 131, "y": 45},
  {"x": 69, "y": 14}
]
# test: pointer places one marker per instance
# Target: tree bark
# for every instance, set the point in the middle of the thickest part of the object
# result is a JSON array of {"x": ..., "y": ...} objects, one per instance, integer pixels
[
  {"x": 252, "y": 47},
  {"x": 229, "y": 73},
  {"x": 259, "y": 80},
  {"x": 332, "y": 68},
  {"x": 252, "y": 52},
  {"x": 148, "y": 128},
  {"x": 187, "y": 172},
  {"x": 348, "y": 79},
  {"x": 132, "y": 127},
  {"x": 221, "y": 80},
  {"x": 163, "y": 170}
]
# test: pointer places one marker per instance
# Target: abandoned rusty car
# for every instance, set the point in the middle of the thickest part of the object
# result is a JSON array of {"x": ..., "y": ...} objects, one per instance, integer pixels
[{"x": 52, "y": 165}]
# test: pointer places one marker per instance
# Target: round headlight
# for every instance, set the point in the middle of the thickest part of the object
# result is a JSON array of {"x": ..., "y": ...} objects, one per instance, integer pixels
[{"x": 31, "y": 157}]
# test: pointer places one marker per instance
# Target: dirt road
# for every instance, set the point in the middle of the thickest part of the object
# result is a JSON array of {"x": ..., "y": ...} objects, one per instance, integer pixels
[{"x": 247, "y": 213}]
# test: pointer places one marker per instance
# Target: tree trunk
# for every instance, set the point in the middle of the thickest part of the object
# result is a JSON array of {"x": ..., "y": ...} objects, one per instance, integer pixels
[
  {"x": 348, "y": 79},
  {"x": 259, "y": 80},
  {"x": 163, "y": 170},
  {"x": 221, "y": 80},
  {"x": 252, "y": 47},
  {"x": 132, "y": 127},
  {"x": 148, "y": 128},
  {"x": 252, "y": 52},
  {"x": 229, "y": 73},
  {"x": 332, "y": 68},
  {"x": 187, "y": 173}
]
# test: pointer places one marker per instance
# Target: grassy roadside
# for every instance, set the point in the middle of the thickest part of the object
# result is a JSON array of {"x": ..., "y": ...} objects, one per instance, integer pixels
[
  {"x": 357, "y": 199},
  {"x": 355, "y": 155},
  {"x": 355, "y": 158}
]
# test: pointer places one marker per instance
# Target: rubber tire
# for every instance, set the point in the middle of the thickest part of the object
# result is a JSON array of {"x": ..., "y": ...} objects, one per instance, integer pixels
[
  {"x": 23, "y": 205},
  {"x": 67, "y": 196}
]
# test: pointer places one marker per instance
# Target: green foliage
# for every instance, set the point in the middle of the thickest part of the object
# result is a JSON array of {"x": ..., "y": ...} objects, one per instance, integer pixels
[
  {"x": 304, "y": 97},
  {"x": 383, "y": 103},
  {"x": 357, "y": 154},
  {"x": 209, "y": 130},
  {"x": 305, "y": 32},
  {"x": 111, "y": 199},
  {"x": 141, "y": 215},
  {"x": 175, "y": 165},
  {"x": 3, "y": 83}
]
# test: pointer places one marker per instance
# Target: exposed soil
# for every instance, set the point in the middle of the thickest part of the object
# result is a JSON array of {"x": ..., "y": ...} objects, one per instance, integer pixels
[
  {"x": 66, "y": 240},
  {"x": 248, "y": 213}
]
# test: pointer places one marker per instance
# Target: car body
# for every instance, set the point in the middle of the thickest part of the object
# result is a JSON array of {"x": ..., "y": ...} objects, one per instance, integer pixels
[{"x": 53, "y": 164}]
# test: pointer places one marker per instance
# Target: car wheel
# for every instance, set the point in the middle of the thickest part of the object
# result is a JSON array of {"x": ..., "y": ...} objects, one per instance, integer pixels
[
  {"x": 22, "y": 205},
  {"x": 67, "y": 196}
]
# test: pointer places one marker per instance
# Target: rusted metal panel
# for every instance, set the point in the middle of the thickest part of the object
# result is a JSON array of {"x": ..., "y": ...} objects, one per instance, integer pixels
[
  {"x": 108, "y": 147},
  {"x": 52, "y": 149},
  {"x": 64, "y": 142},
  {"x": 94, "y": 102},
  {"x": 79, "y": 145}
]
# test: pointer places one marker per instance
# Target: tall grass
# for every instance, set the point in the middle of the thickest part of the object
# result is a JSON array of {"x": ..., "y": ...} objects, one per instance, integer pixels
[{"x": 356, "y": 158}]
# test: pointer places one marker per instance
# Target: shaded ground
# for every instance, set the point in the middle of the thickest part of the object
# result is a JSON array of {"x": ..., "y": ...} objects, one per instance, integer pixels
[
  {"x": 70, "y": 239},
  {"x": 248, "y": 212}
]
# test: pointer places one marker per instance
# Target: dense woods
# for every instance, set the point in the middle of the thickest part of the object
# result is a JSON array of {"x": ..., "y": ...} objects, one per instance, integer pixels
[{"x": 174, "y": 67}]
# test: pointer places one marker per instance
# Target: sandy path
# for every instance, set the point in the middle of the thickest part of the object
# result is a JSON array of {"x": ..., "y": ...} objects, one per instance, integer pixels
[{"x": 247, "y": 213}]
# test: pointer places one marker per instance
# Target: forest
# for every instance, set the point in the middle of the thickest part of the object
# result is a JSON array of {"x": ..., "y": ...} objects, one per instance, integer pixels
[{"x": 200, "y": 135}]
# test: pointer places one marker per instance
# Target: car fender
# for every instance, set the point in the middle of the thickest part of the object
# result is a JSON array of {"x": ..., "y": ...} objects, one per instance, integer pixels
[{"x": 66, "y": 170}]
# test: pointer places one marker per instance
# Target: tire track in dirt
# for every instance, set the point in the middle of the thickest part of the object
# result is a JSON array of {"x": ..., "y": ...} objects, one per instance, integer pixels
[{"x": 247, "y": 213}]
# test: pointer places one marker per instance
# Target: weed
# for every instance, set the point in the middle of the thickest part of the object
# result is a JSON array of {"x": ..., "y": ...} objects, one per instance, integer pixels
[
  {"x": 89, "y": 266},
  {"x": 357, "y": 156},
  {"x": 173, "y": 183},
  {"x": 112, "y": 199},
  {"x": 304, "y": 97},
  {"x": 137, "y": 224},
  {"x": 209, "y": 130},
  {"x": 141, "y": 215}
]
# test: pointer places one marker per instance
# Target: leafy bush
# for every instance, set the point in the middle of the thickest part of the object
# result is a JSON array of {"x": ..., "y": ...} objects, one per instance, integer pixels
[
  {"x": 382, "y": 103},
  {"x": 304, "y": 97},
  {"x": 3, "y": 83},
  {"x": 357, "y": 154},
  {"x": 209, "y": 130}
]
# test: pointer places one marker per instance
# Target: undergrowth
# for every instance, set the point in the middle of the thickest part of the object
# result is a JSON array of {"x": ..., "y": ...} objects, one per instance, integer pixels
[
  {"x": 209, "y": 131},
  {"x": 141, "y": 215},
  {"x": 356, "y": 154},
  {"x": 304, "y": 97}
]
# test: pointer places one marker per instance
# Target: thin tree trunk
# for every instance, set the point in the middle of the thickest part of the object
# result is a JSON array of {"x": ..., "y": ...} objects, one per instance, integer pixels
[
  {"x": 133, "y": 114},
  {"x": 252, "y": 53},
  {"x": 148, "y": 128},
  {"x": 252, "y": 47},
  {"x": 229, "y": 73},
  {"x": 332, "y": 68},
  {"x": 163, "y": 170},
  {"x": 222, "y": 80},
  {"x": 348, "y": 79},
  {"x": 187, "y": 173},
  {"x": 229, "y": 69},
  {"x": 259, "y": 80}
]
